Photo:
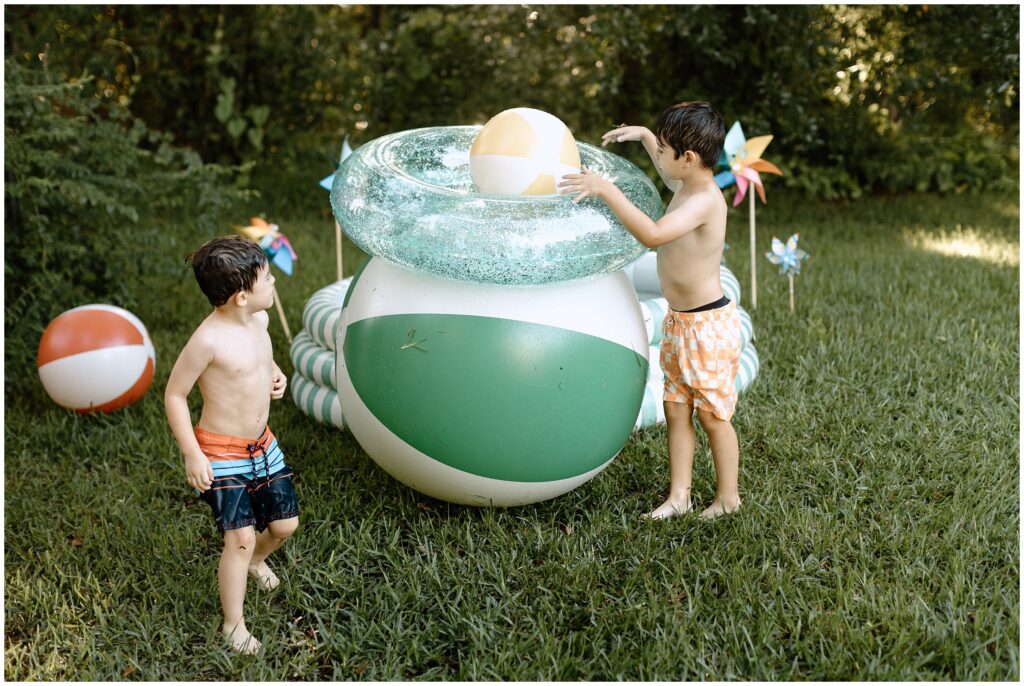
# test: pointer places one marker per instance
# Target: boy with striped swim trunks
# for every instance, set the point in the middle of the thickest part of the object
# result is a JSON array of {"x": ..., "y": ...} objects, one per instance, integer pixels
[
  {"x": 701, "y": 348},
  {"x": 231, "y": 457}
]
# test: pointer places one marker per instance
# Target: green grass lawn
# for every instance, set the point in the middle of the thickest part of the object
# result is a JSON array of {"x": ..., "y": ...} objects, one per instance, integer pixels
[{"x": 879, "y": 537}]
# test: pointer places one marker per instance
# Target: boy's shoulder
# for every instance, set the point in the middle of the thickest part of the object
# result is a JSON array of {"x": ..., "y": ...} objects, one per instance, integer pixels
[
  {"x": 706, "y": 201},
  {"x": 206, "y": 335}
]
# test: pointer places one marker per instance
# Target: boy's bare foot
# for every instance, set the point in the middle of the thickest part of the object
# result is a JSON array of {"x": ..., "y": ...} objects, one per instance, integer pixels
[
  {"x": 670, "y": 508},
  {"x": 720, "y": 507},
  {"x": 264, "y": 576},
  {"x": 240, "y": 640}
]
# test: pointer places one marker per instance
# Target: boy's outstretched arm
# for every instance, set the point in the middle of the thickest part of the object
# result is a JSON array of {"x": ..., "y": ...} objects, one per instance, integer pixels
[
  {"x": 650, "y": 141},
  {"x": 674, "y": 224},
  {"x": 192, "y": 361}
]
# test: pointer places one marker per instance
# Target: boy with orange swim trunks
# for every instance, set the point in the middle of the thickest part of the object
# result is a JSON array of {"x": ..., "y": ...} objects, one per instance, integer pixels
[
  {"x": 231, "y": 456},
  {"x": 701, "y": 348}
]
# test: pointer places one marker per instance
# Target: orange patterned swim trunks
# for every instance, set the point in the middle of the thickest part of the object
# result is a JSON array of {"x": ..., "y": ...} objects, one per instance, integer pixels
[{"x": 700, "y": 355}]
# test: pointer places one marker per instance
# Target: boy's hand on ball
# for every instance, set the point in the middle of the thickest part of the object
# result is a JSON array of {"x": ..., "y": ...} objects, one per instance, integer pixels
[
  {"x": 199, "y": 472},
  {"x": 278, "y": 383},
  {"x": 584, "y": 185}
]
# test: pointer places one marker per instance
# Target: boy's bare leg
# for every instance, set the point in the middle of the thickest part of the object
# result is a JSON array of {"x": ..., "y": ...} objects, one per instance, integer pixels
[
  {"x": 267, "y": 541},
  {"x": 725, "y": 450},
  {"x": 239, "y": 545},
  {"x": 682, "y": 441}
]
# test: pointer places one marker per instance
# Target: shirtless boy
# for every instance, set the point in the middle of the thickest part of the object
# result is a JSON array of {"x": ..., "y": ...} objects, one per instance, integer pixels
[
  {"x": 231, "y": 457},
  {"x": 701, "y": 347}
]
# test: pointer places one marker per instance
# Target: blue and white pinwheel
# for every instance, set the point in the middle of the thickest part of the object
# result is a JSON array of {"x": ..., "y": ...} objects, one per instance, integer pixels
[
  {"x": 787, "y": 255},
  {"x": 743, "y": 159}
]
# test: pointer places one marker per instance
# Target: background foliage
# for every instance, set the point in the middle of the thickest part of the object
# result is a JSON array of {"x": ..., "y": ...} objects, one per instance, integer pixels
[
  {"x": 882, "y": 534},
  {"x": 860, "y": 98}
]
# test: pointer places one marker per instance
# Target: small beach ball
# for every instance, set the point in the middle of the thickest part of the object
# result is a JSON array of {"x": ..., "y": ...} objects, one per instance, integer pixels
[
  {"x": 487, "y": 395},
  {"x": 523, "y": 151},
  {"x": 96, "y": 358}
]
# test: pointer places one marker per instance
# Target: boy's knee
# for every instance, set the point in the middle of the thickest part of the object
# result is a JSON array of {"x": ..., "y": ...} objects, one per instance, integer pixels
[
  {"x": 678, "y": 410},
  {"x": 709, "y": 421},
  {"x": 243, "y": 539},
  {"x": 283, "y": 528}
]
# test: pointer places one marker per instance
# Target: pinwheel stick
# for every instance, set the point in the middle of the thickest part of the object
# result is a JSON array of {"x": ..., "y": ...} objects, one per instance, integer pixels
[
  {"x": 791, "y": 306},
  {"x": 337, "y": 242},
  {"x": 280, "y": 313},
  {"x": 753, "y": 248}
]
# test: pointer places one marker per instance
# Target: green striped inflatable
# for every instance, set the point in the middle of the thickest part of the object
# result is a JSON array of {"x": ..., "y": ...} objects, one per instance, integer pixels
[{"x": 320, "y": 402}]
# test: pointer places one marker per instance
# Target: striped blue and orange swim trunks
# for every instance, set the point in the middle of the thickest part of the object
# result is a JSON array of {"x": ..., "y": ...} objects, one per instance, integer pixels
[{"x": 252, "y": 485}]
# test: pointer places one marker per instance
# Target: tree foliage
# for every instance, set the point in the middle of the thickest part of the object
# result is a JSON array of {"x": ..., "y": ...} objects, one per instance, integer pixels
[
  {"x": 78, "y": 172},
  {"x": 859, "y": 98}
]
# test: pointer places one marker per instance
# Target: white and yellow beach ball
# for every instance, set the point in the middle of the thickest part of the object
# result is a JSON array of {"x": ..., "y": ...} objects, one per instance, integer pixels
[
  {"x": 488, "y": 395},
  {"x": 523, "y": 151}
]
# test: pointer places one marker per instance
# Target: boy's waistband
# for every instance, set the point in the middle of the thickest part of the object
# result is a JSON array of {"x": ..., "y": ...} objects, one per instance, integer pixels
[
  {"x": 719, "y": 313},
  {"x": 218, "y": 443}
]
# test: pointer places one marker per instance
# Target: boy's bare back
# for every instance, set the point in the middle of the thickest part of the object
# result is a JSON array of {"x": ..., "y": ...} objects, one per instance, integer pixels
[
  {"x": 236, "y": 383},
  {"x": 688, "y": 267}
]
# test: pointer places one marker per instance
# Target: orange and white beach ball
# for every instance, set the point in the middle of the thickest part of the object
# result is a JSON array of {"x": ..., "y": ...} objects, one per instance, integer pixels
[
  {"x": 96, "y": 358},
  {"x": 523, "y": 151}
]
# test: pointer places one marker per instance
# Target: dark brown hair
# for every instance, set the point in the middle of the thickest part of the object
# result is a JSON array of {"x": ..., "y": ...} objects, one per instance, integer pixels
[
  {"x": 693, "y": 126},
  {"x": 225, "y": 266}
]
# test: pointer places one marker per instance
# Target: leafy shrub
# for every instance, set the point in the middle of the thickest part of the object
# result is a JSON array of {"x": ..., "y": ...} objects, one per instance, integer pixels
[
  {"x": 89, "y": 195},
  {"x": 856, "y": 96}
]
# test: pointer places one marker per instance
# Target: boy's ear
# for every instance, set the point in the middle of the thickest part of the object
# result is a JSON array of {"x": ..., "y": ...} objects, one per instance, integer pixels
[
  {"x": 241, "y": 298},
  {"x": 691, "y": 157}
]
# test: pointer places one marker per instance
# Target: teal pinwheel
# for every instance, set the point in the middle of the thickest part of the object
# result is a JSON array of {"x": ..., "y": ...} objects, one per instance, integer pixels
[
  {"x": 788, "y": 257},
  {"x": 326, "y": 183},
  {"x": 346, "y": 150}
]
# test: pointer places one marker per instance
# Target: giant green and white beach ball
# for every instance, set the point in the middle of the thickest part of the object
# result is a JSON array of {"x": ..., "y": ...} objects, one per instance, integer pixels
[{"x": 492, "y": 395}]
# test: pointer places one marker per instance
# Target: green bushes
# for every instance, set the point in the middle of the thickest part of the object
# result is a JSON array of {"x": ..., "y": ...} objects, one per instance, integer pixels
[
  {"x": 90, "y": 197},
  {"x": 860, "y": 99}
]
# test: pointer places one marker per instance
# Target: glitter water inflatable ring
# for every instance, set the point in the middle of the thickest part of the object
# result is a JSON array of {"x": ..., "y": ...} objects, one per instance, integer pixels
[{"x": 408, "y": 197}]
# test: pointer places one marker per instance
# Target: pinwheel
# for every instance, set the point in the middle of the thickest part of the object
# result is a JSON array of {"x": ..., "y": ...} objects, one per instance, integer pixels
[
  {"x": 279, "y": 251},
  {"x": 273, "y": 242},
  {"x": 743, "y": 159},
  {"x": 788, "y": 257},
  {"x": 327, "y": 182}
]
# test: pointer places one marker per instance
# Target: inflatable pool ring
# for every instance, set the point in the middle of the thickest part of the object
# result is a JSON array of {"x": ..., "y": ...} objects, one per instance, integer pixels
[
  {"x": 408, "y": 198},
  {"x": 320, "y": 315},
  {"x": 311, "y": 361},
  {"x": 318, "y": 401}
]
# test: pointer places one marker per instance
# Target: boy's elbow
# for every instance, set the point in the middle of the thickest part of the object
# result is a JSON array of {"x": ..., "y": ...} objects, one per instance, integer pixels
[{"x": 650, "y": 240}]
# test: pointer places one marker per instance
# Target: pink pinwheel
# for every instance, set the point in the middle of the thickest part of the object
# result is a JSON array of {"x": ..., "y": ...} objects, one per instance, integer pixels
[
  {"x": 273, "y": 242},
  {"x": 743, "y": 158},
  {"x": 279, "y": 251}
]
